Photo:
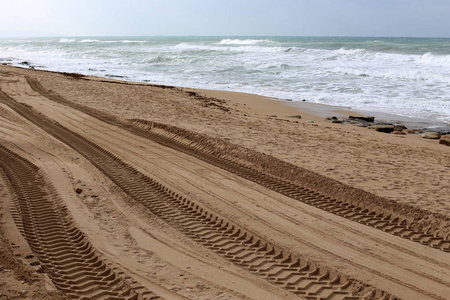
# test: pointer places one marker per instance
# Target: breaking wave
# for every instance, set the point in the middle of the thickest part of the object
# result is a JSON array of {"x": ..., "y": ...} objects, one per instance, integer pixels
[
  {"x": 435, "y": 60},
  {"x": 65, "y": 40},
  {"x": 244, "y": 42},
  {"x": 410, "y": 77}
]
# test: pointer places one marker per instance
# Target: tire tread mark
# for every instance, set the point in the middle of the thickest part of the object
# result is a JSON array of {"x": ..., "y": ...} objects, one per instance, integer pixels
[
  {"x": 276, "y": 266},
  {"x": 348, "y": 210},
  {"x": 63, "y": 250}
]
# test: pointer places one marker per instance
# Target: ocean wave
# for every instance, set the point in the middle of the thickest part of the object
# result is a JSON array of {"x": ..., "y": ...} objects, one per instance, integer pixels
[
  {"x": 133, "y": 42},
  {"x": 294, "y": 49},
  {"x": 108, "y": 41},
  {"x": 160, "y": 59},
  {"x": 344, "y": 51},
  {"x": 435, "y": 60},
  {"x": 407, "y": 75},
  {"x": 65, "y": 40},
  {"x": 359, "y": 75},
  {"x": 359, "y": 56},
  {"x": 230, "y": 48},
  {"x": 244, "y": 42}
]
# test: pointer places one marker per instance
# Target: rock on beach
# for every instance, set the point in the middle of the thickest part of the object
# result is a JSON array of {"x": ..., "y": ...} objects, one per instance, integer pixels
[
  {"x": 445, "y": 139},
  {"x": 399, "y": 127},
  {"x": 383, "y": 128},
  {"x": 431, "y": 135},
  {"x": 413, "y": 130},
  {"x": 365, "y": 118}
]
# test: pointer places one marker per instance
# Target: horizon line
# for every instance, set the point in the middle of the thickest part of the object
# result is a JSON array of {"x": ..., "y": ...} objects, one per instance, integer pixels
[{"x": 157, "y": 35}]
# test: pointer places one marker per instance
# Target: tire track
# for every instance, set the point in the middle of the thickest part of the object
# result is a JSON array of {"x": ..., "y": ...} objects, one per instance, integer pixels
[
  {"x": 348, "y": 210},
  {"x": 120, "y": 142},
  {"x": 297, "y": 275},
  {"x": 63, "y": 251}
]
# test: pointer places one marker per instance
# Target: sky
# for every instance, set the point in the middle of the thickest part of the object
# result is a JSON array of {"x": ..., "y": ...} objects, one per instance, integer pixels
[{"x": 405, "y": 18}]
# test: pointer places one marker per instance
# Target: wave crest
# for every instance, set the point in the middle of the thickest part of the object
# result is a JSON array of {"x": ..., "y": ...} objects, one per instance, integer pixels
[
  {"x": 244, "y": 42},
  {"x": 65, "y": 40},
  {"x": 435, "y": 60},
  {"x": 133, "y": 42}
]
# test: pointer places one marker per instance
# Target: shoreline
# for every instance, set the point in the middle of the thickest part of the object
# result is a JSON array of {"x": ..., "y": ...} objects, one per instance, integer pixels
[
  {"x": 313, "y": 114},
  {"x": 285, "y": 109},
  {"x": 312, "y": 109},
  {"x": 319, "y": 112}
]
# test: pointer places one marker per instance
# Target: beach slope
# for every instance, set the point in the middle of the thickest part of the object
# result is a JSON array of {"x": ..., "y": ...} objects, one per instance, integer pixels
[{"x": 137, "y": 191}]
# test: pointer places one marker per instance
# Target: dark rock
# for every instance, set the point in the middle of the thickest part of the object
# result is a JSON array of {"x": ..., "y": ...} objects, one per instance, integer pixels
[
  {"x": 296, "y": 116},
  {"x": 366, "y": 118},
  {"x": 431, "y": 135},
  {"x": 78, "y": 191},
  {"x": 25, "y": 63},
  {"x": 383, "y": 128},
  {"x": 445, "y": 140},
  {"x": 399, "y": 128},
  {"x": 331, "y": 118},
  {"x": 337, "y": 121}
]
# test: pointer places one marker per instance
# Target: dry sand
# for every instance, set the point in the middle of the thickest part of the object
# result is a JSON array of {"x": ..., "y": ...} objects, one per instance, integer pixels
[{"x": 406, "y": 177}]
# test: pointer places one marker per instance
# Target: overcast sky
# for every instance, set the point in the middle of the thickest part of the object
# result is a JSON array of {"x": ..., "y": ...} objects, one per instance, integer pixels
[{"x": 428, "y": 18}]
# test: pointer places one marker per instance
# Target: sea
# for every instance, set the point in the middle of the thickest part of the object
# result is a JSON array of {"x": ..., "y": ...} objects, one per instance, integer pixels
[{"x": 404, "y": 77}]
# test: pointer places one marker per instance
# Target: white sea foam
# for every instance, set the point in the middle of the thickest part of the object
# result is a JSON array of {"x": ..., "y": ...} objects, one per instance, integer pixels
[
  {"x": 65, "y": 40},
  {"x": 435, "y": 60},
  {"x": 244, "y": 42},
  {"x": 410, "y": 79},
  {"x": 133, "y": 42},
  {"x": 226, "y": 48},
  {"x": 351, "y": 52}
]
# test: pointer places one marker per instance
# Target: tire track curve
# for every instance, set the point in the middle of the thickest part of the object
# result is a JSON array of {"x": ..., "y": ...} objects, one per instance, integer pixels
[
  {"x": 295, "y": 274},
  {"x": 120, "y": 143},
  {"x": 64, "y": 252},
  {"x": 344, "y": 209},
  {"x": 143, "y": 128}
]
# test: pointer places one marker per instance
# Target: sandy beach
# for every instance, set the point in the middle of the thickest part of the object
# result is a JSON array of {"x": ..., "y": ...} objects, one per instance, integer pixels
[{"x": 160, "y": 192}]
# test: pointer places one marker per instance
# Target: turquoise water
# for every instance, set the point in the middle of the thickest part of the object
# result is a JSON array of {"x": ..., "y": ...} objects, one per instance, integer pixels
[{"x": 404, "y": 76}]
